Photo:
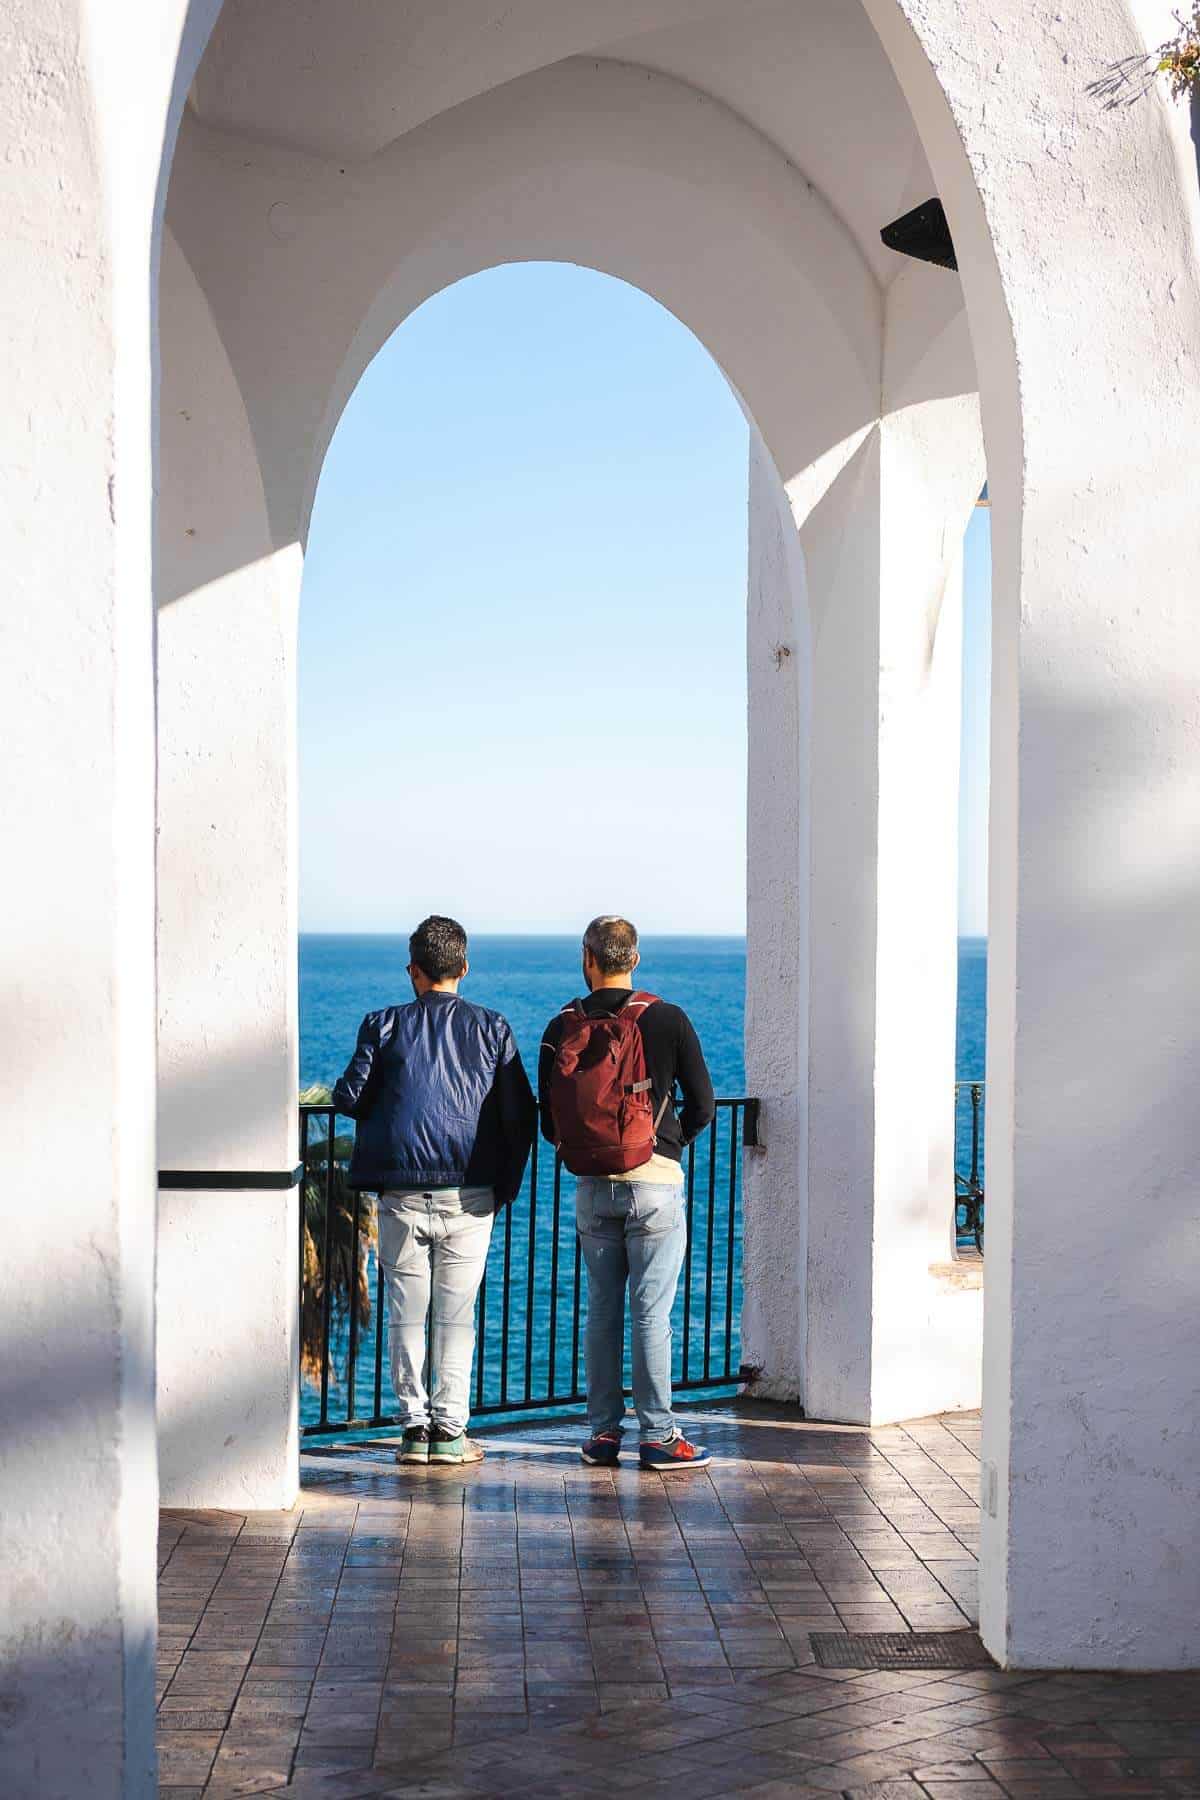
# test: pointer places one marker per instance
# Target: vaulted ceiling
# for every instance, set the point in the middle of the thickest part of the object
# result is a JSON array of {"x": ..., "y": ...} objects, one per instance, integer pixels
[{"x": 342, "y": 79}]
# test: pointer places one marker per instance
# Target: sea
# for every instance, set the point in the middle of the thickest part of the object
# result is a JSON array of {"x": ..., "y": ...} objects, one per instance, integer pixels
[
  {"x": 534, "y": 1351},
  {"x": 529, "y": 978}
]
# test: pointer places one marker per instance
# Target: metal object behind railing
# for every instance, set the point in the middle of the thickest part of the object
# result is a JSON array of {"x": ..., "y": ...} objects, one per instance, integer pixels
[
  {"x": 532, "y": 1301},
  {"x": 968, "y": 1188}
]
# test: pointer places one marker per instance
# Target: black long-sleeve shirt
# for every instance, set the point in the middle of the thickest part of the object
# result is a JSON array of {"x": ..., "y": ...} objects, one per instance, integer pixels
[{"x": 673, "y": 1058}]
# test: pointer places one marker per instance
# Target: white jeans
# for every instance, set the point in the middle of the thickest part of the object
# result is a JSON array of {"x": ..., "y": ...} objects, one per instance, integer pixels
[{"x": 434, "y": 1242}]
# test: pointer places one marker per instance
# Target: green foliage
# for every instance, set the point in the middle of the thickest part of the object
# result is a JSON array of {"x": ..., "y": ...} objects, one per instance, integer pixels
[
  {"x": 337, "y": 1271},
  {"x": 1179, "y": 57}
]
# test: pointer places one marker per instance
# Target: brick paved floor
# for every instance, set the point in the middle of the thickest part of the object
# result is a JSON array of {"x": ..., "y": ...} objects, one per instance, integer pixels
[{"x": 532, "y": 1627}]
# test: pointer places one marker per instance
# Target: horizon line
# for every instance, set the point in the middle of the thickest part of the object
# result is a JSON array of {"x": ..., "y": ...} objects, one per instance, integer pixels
[
  {"x": 962, "y": 937},
  {"x": 325, "y": 931}
]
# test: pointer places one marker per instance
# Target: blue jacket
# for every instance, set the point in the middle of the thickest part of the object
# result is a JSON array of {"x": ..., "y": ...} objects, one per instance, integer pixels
[{"x": 440, "y": 1097}]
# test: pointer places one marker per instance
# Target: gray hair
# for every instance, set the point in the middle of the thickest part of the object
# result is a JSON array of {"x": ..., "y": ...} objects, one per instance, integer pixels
[{"x": 613, "y": 943}]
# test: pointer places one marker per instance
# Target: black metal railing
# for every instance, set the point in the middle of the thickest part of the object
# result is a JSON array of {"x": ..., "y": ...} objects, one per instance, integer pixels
[
  {"x": 968, "y": 1148},
  {"x": 532, "y": 1301}
]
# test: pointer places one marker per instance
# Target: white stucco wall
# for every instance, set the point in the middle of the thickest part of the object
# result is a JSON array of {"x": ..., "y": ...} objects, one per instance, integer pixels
[
  {"x": 77, "y": 1475},
  {"x": 775, "y": 1177},
  {"x": 228, "y": 1358},
  {"x": 591, "y": 162},
  {"x": 1076, "y": 231},
  {"x": 85, "y": 103},
  {"x": 886, "y": 1337},
  {"x": 931, "y": 471},
  {"x": 228, "y": 1030}
]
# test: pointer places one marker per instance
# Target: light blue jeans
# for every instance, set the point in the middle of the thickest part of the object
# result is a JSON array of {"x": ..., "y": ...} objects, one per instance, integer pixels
[
  {"x": 632, "y": 1233},
  {"x": 433, "y": 1244}
]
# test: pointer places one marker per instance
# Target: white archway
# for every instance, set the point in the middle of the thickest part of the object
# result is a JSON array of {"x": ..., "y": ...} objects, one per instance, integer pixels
[
  {"x": 595, "y": 162},
  {"x": 984, "y": 137},
  {"x": 1077, "y": 234}
]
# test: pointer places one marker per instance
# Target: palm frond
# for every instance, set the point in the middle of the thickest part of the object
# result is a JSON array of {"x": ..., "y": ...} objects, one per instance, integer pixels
[{"x": 330, "y": 1266}]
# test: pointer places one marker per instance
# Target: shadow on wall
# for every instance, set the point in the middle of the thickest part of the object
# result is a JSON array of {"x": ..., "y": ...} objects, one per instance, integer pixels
[
  {"x": 63, "y": 1717},
  {"x": 238, "y": 1419},
  {"x": 224, "y": 1100}
]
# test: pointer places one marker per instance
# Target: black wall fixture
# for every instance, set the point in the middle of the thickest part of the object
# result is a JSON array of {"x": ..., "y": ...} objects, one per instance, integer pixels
[{"x": 923, "y": 233}]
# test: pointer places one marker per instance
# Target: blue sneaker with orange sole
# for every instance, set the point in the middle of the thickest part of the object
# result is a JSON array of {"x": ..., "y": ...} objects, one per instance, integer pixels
[
  {"x": 603, "y": 1451},
  {"x": 672, "y": 1454}
]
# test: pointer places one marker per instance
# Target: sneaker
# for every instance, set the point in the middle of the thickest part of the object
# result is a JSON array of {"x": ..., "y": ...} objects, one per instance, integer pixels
[
  {"x": 603, "y": 1451},
  {"x": 674, "y": 1453},
  {"x": 453, "y": 1447},
  {"x": 415, "y": 1445}
]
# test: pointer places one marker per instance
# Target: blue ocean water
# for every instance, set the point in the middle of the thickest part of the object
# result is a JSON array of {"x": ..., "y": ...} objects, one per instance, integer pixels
[
  {"x": 528, "y": 979},
  {"x": 972, "y": 1008}
]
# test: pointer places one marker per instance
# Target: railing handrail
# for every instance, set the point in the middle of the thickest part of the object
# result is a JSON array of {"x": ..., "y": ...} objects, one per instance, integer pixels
[
  {"x": 518, "y": 1386},
  {"x": 327, "y": 1106},
  {"x": 706, "y": 1340},
  {"x": 310, "y": 1108}
]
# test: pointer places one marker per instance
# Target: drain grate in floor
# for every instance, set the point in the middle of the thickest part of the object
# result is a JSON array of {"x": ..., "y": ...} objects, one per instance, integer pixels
[{"x": 899, "y": 1650}]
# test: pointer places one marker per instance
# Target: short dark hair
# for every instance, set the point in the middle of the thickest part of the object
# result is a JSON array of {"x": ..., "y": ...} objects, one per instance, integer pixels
[
  {"x": 613, "y": 943},
  {"x": 439, "y": 948}
]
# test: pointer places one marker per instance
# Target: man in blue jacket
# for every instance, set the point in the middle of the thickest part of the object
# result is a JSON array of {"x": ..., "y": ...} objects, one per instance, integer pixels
[{"x": 445, "y": 1120}]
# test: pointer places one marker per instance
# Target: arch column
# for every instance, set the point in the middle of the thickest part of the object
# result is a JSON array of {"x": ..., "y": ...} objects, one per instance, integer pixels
[
  {"x": 1091, "y": 396},
  {"x": 775, "y": 1198},
  {"x": 852, "y": 1304},
  {"x": 228, "y": 1370},
  {"x": 86, "y": 105}
]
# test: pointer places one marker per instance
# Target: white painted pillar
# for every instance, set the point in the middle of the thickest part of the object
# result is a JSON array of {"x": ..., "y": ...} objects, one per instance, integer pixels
[
  {"x": 77, "y": 1468},
  {"x": 855, "y": 637},
  {"x": 888, "y": 1336},
  {"x": 1091, "y": 390},
  {"x": 228, "y": 1256},
  {"x": 841, "y": 550},
  {"x": 775, "y": 1177},
  {"x": 84, "y": 108}
]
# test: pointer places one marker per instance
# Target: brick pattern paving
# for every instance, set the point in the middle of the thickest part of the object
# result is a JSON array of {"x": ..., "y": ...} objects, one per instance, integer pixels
[{"x": 532, "y": 1627}]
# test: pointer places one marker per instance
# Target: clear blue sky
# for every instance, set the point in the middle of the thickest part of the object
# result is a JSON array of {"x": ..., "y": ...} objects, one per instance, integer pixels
[{"x": 522, "y": 669}]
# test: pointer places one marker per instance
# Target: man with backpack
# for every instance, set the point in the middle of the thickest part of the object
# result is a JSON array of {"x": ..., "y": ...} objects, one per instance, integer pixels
[
  {"x": 607, "y": 1073},
  {"x": 445, "y": 1124}
]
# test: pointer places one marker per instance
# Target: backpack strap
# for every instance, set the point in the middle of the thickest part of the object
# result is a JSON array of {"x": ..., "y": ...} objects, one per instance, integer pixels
[{"x": 640, "y": 998}]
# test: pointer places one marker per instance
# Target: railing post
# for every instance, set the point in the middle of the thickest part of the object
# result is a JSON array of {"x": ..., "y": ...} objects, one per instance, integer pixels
[
  {"x": 544, "y": 1263},
  {"x": 352, "y": 1357},
  {"x": 326, "y": 1266}
]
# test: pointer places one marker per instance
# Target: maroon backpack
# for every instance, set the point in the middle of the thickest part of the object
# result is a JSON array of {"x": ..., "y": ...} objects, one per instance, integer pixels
[{"x": 604, "y": 1121}]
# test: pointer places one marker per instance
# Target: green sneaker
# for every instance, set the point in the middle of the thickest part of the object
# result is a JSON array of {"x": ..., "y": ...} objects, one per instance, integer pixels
[
  {"x": 415, "y": 1445},
  {"x": 457, "y": 1448}
]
